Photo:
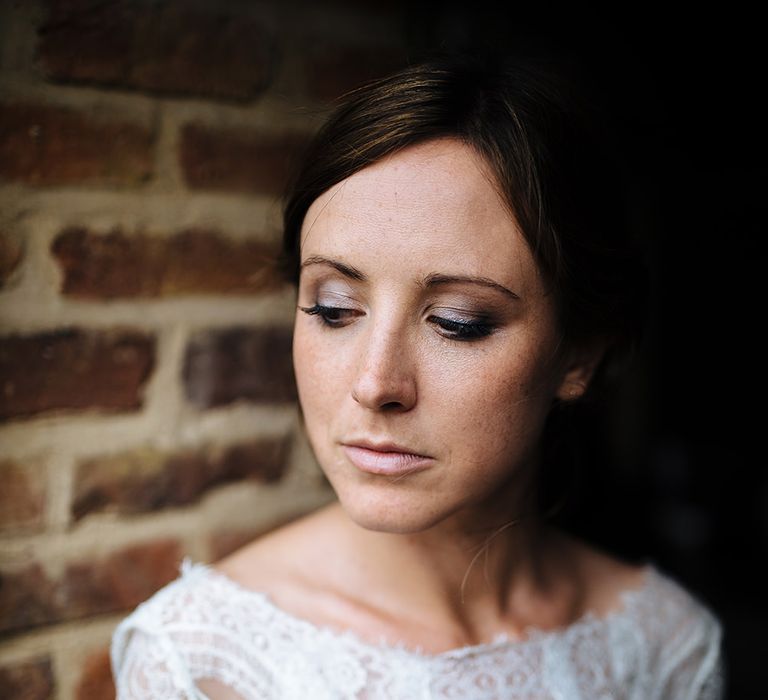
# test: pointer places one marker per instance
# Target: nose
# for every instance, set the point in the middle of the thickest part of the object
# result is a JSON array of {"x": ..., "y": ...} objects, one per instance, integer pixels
[{"x": 385, "y": 379}]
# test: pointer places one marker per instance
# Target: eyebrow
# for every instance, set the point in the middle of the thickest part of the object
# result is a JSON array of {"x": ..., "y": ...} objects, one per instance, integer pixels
[
  {"x": 436, "y": 279},
  {"x": 433, "y": 280},
  {"x": 343, "y": 268}
]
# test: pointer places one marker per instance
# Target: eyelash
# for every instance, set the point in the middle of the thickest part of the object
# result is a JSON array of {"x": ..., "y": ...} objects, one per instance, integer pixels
[
  {"x": 336, "y": 317},
  {"x": 326, "y": 313},
  {"x": 463, "y": 330}
]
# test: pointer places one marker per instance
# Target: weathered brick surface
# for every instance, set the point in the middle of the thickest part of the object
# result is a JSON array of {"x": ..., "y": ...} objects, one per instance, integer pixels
[
  {"x": 11, "y": 252},
  {"x": 46, "y": 145},
  {"x": 120, "y": 581},
  {"x": 29, "y": 680},
  {"x": 330, "y": 70},
  {"x": 117, "y": 264},
  {"x": 103, "y": 108},
  {"x": 172, "y": 47},
  {"x": 144, "y": 480},
  {"x": 27, "y": 599},
  {"x": 243, "y": 160},
  {"x": 73, "y": 369},
  {"x": 22, "y": 496},
  {"x": 243, "y": 363},
  {"x": 96, "y": 681}
]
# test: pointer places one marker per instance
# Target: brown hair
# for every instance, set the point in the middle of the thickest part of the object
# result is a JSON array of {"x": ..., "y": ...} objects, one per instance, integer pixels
[{"x": 545, "y": 146}]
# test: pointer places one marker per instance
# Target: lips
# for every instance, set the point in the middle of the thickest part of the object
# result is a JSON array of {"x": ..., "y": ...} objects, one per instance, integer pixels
[{"x": 385, "y": 459}]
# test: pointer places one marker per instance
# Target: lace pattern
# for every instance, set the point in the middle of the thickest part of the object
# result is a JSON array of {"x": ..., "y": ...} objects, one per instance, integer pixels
[{"x": 206, "y": 630}]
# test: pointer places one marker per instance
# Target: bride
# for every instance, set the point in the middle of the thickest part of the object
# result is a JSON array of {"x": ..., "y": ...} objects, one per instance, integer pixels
[{"x": 461, "y": 275}]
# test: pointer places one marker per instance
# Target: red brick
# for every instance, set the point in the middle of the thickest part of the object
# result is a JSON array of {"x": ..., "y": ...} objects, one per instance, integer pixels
[
  {"x": 11, "y": 252},
  {"x": 48, "y": 145},
  {"x": 30, "y": 680},
  {"x": 120, "y": 581},
  {"x": 239, "y": 160},
  {"x": 22, "y": 497},
  {"x": 138, "y": 482},
  {"x": 119, "y": 265},
  {"x": 251, "y": 364},
  {"x": 171, "y": 47},
  {"x": 72, "y": 370},
  {"x": 27, "y": 599},
  {"x": 30, "y": 598},
  {"x": 96, "y": 682},
  {"x": 330, "y": 70}
]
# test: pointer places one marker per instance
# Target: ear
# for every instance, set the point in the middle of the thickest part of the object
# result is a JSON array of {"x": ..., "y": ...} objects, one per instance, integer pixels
[{"x": 580, "y": 366}]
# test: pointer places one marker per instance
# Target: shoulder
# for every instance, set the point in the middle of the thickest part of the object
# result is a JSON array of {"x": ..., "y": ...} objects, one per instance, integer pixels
[
  {"x": 145, "y": 659},
  {"x": 681, "y": 636},
  {"x": 672, "y": 612},
  {"x": 194, "y": 595},
  {"x": 660, "y": 607},
  {"x": 611, "y": 584},
  {"x": 290, "y": 564},
  {"x": 658, "y": 631},
  {"x": 200, "y": 626},
  {"x": 681, "y": 616}
]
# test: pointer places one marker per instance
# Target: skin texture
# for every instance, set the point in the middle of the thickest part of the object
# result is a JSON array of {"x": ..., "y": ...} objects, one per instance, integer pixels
[
  {"x": 384, "y": 366},
  {"x": 424, "y": 328}
]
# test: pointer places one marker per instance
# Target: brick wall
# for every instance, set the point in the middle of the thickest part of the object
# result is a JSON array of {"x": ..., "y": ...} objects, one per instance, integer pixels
[{"x": 147, "y": 406}]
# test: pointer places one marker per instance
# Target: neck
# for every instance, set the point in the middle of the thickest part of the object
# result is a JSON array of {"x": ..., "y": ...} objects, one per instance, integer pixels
[{"x": 473, "y": 573}]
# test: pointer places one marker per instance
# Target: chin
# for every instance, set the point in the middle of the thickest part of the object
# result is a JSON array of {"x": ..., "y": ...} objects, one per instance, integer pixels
[{"x": 395, "y": 516}]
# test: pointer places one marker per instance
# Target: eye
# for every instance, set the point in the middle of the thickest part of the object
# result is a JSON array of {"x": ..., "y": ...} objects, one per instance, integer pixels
[
  {"x": 472, "y": 329},
  {"x": 331, "y": 316}
]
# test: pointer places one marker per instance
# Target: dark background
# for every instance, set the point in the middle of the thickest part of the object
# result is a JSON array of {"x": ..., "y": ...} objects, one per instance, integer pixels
[{"x": 683, "y": 479}]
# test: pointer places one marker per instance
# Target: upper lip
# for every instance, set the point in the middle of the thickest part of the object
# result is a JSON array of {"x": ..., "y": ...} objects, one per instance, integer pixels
[{"x": 383, "y": 446}]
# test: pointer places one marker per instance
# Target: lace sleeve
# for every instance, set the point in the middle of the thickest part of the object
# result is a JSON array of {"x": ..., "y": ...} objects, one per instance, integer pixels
[
  {"x": 194, "y": 641},
  {"x": 695, "y": 668},
  {"x": 149, "y": 667}
]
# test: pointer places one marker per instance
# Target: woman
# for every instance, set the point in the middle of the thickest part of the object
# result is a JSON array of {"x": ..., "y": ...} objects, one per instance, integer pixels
[{"x": 454, "y": 233}]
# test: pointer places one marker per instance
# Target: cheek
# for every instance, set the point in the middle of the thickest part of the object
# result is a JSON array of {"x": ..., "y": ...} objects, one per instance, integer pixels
[
  {"x": 319, "y": 375},
  {"x": 500, "y": 408},
  {"x": 306, "y": 365}
]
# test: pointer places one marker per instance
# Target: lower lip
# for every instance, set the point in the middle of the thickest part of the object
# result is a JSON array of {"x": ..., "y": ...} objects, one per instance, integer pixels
[{"x": 386, "y": 463}]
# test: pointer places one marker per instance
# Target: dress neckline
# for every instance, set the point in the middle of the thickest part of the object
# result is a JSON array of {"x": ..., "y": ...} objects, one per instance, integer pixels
[{"x": 627, "y": 602}]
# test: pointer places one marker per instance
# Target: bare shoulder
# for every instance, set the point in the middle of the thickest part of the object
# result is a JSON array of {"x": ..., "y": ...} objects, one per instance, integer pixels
[
  {"x": 272, "y": 557},
  {"x": 290, "y": 564}
]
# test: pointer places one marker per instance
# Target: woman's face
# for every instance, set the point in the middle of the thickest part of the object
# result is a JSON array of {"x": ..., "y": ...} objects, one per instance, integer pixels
[{"x": 425, "y": 344}]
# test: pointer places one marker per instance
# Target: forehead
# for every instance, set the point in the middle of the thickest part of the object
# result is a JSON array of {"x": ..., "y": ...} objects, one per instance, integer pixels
[{"x": 435, "y": 202}]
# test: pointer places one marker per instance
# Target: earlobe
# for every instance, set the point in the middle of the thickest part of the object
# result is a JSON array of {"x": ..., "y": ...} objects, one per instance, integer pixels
[
  {"x": 572, "y": 388},
  {"x": 578, "y": 374}
]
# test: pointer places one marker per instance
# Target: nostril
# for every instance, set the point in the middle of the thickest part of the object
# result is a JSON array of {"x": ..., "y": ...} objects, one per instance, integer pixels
[
  {"x": 390, "y": 397},
  {"x": 383, "y": 380}
]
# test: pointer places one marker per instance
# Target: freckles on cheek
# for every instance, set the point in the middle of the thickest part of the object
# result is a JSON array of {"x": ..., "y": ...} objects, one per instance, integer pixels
[
  {"x": 317, "y": 375},
  {"x": 305, "y": 364},
  {"x": 516, "y": 403}
]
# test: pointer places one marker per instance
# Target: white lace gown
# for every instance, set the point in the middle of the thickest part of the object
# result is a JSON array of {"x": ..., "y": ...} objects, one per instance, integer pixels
[{"x": 660, "y": 644}]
